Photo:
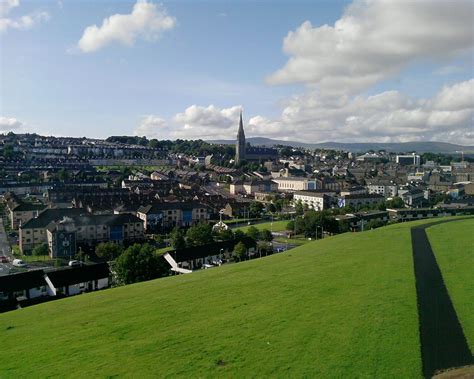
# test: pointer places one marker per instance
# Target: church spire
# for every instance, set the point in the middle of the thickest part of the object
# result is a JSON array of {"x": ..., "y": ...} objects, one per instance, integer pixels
[
  {"x": 240, "y": 143},
  {"x": 241, "y": 127}
]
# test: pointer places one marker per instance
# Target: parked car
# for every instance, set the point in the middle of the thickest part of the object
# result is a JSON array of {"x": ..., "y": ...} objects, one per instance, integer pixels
[
  {"x": 4, "y": 259},
  {"x": 19, "y": 263}
]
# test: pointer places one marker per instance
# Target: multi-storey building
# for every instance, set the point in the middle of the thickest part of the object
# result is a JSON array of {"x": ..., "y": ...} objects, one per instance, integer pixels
[
  {"x": 163, "y": 216},
  {"x": 317, "y": 200}
]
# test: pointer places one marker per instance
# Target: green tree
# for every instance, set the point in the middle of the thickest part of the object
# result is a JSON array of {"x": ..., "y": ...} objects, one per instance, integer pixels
[
  {"x": 266, "y": 235},
  {"x": 177, "y": 239},
  {"x": 239, "y": 251},
  {"x": 108, "y": 250},
  {"x": 200, "y": 234},
  {"x": 226, "y": 235},
  {"x": 239, "y": 235},
  {"x": 271, "y": 208},
  {"x": 299, "y": 207},
  {"x": 253, "y": 233},
  {"x": 139, "y": 263},
  {"x": 395, "y": 203},
  {"x": 159, "y": 240},
  {"x": 256, "y": 209},
  {"x": 40, "y": 250},
  {"x": 63, "y": 174}
]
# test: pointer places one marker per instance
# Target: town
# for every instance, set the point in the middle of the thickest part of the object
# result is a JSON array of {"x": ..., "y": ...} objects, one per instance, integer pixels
[{"x": 73, "y": 208}]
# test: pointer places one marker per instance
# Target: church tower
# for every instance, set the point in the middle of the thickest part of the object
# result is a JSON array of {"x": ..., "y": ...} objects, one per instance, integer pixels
[{"x": 240, "y": 143}]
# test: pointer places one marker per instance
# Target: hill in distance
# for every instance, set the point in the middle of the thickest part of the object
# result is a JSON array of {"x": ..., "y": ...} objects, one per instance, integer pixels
[
  {"x": 344, "y": 306},
  {"x": 420, "y": 147}
]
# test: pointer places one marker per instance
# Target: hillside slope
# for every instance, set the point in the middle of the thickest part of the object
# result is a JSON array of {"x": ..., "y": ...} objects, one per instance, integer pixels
[{"x": 343, "y": 306}]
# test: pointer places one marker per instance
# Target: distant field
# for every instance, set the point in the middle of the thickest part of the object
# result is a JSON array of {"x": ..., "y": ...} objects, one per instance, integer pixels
[
  {"x": 277, "y": 226},
  {"x": 453, "y": 245},
  {"x": 344, "y": 306}
]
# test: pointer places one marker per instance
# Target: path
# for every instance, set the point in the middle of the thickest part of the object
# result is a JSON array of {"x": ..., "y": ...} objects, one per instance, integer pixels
[{"x": 443, "y": 344}]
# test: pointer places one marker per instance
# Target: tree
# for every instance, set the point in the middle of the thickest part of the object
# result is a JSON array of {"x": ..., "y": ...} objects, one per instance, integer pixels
[
  {"x": 266, "y": 235},
  {"x": 395, "y": 203},
  {"x": 40, "y": 250},
  {"x": 159, "y": 240},
  {"x": 200, "y": 234},
  {"x": 239, "y": 235},
  {"x": 299, "y": 207},
  {"x": 271, "y": 208},
  {"x": 290, "y": 225},
  {"x": 226, "y": 235},
  {"x": 138, "y": 263},
  {"x": 63, "y": 174},
  {"x": 108, "y": 250},
  {"x": 177, "y": 239},
  {"x": 253, "y": 233},
  {"x": 239, "y": 251},
  {"x": 255, "y": 209}
]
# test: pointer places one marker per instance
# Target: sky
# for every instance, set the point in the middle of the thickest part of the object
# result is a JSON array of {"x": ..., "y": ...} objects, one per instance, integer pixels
[{"x": 313, "y": 71}]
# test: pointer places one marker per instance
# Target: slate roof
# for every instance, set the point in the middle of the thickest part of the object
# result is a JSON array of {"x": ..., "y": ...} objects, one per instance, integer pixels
[
  {"x": 22, "y": 281},
  {"x": 50, "y": 215},
  {"x": 81, "y": 274},
  {"x": 150, "y": 209}
]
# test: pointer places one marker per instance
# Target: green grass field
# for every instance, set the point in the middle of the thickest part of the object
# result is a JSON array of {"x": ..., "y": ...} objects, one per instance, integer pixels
[
  {"x": 276, "y": 226},
  {"x": 453, "y": 245},
  {"x": 344, "y": 306}
]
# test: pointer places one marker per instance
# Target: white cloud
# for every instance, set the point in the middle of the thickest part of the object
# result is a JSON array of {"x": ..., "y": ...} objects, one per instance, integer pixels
[
  {"x": 147, "y": 21},
  {"x": 7, "y": 5},
  {"x": 207, "y": 122},
  {"x": 389, "y": 116},
  {"x": 24, "y": 22},
  {"x": 386, "y": 117},
  {"x": 9, "y": 123},
  {"x": 374, "y": 40},
  {"x": 152, "y": 127}
]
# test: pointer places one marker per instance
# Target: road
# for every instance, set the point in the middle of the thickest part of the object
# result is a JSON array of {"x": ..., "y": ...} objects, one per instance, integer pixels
[{"x": 4, "y": 250}]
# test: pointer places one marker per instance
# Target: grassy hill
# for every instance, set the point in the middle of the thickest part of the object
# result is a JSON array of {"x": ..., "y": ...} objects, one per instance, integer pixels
[
  {"x": 344, "y": 306},
  {"x": 453, "y": 246}
]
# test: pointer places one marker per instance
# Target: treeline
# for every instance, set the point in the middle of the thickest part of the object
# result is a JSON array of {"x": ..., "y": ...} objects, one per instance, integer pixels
[{"x": 189, "y": 147}]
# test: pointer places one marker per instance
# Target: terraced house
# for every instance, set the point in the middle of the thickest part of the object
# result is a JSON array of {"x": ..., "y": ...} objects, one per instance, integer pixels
[
  {"x": 66, "y": 235},
  {"x": 162, "y": 216},
  {"x": 33, "y": 232}
]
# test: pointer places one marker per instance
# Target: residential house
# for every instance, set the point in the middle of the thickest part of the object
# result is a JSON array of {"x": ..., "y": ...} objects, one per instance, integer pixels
[{"x": 164, "y": 216}]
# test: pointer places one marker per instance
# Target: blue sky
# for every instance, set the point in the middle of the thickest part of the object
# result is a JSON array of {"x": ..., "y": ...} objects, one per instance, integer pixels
[{"x": 225, "y": 55}]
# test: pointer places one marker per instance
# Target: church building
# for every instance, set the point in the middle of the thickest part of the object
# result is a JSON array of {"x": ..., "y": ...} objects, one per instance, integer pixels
[{"x": 251, "y": 154}]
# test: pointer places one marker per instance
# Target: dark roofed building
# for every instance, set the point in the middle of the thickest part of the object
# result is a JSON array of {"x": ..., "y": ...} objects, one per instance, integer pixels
[
  {"x": 33, "y": 232},
  {"x": 75, "y": 280},
  {"x": 66, "y": 235},
  {"x": 163, "y": 216},
  {"x": 245, "y": 153},
  {"x": 29, "y": 285}
]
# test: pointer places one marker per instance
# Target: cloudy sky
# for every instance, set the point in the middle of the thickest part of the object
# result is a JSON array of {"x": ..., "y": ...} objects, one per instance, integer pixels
[{"x": 387, "y": 71}]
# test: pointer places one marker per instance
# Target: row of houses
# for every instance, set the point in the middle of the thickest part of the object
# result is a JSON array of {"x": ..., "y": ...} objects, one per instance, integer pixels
[
  {"x": 322, "y": 199},
  {"x": 38, "y": 285}
]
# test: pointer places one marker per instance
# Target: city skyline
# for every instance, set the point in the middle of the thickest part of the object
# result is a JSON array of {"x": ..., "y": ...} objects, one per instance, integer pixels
[{"x": 341, "y": 71}]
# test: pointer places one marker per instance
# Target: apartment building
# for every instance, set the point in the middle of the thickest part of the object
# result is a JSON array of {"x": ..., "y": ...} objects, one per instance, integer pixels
[{"x": 162, "y": 216}]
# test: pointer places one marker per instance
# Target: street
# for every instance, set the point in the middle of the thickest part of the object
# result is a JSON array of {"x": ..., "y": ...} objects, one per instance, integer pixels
[{"x": 5, "y": 250}]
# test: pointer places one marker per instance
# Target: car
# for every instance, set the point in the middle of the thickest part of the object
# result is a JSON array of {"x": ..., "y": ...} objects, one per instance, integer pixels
[
  {"x": 19, "y": 263},
  {"x": 4, "y": 259},
  {"x": 74, "y": 263}
]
